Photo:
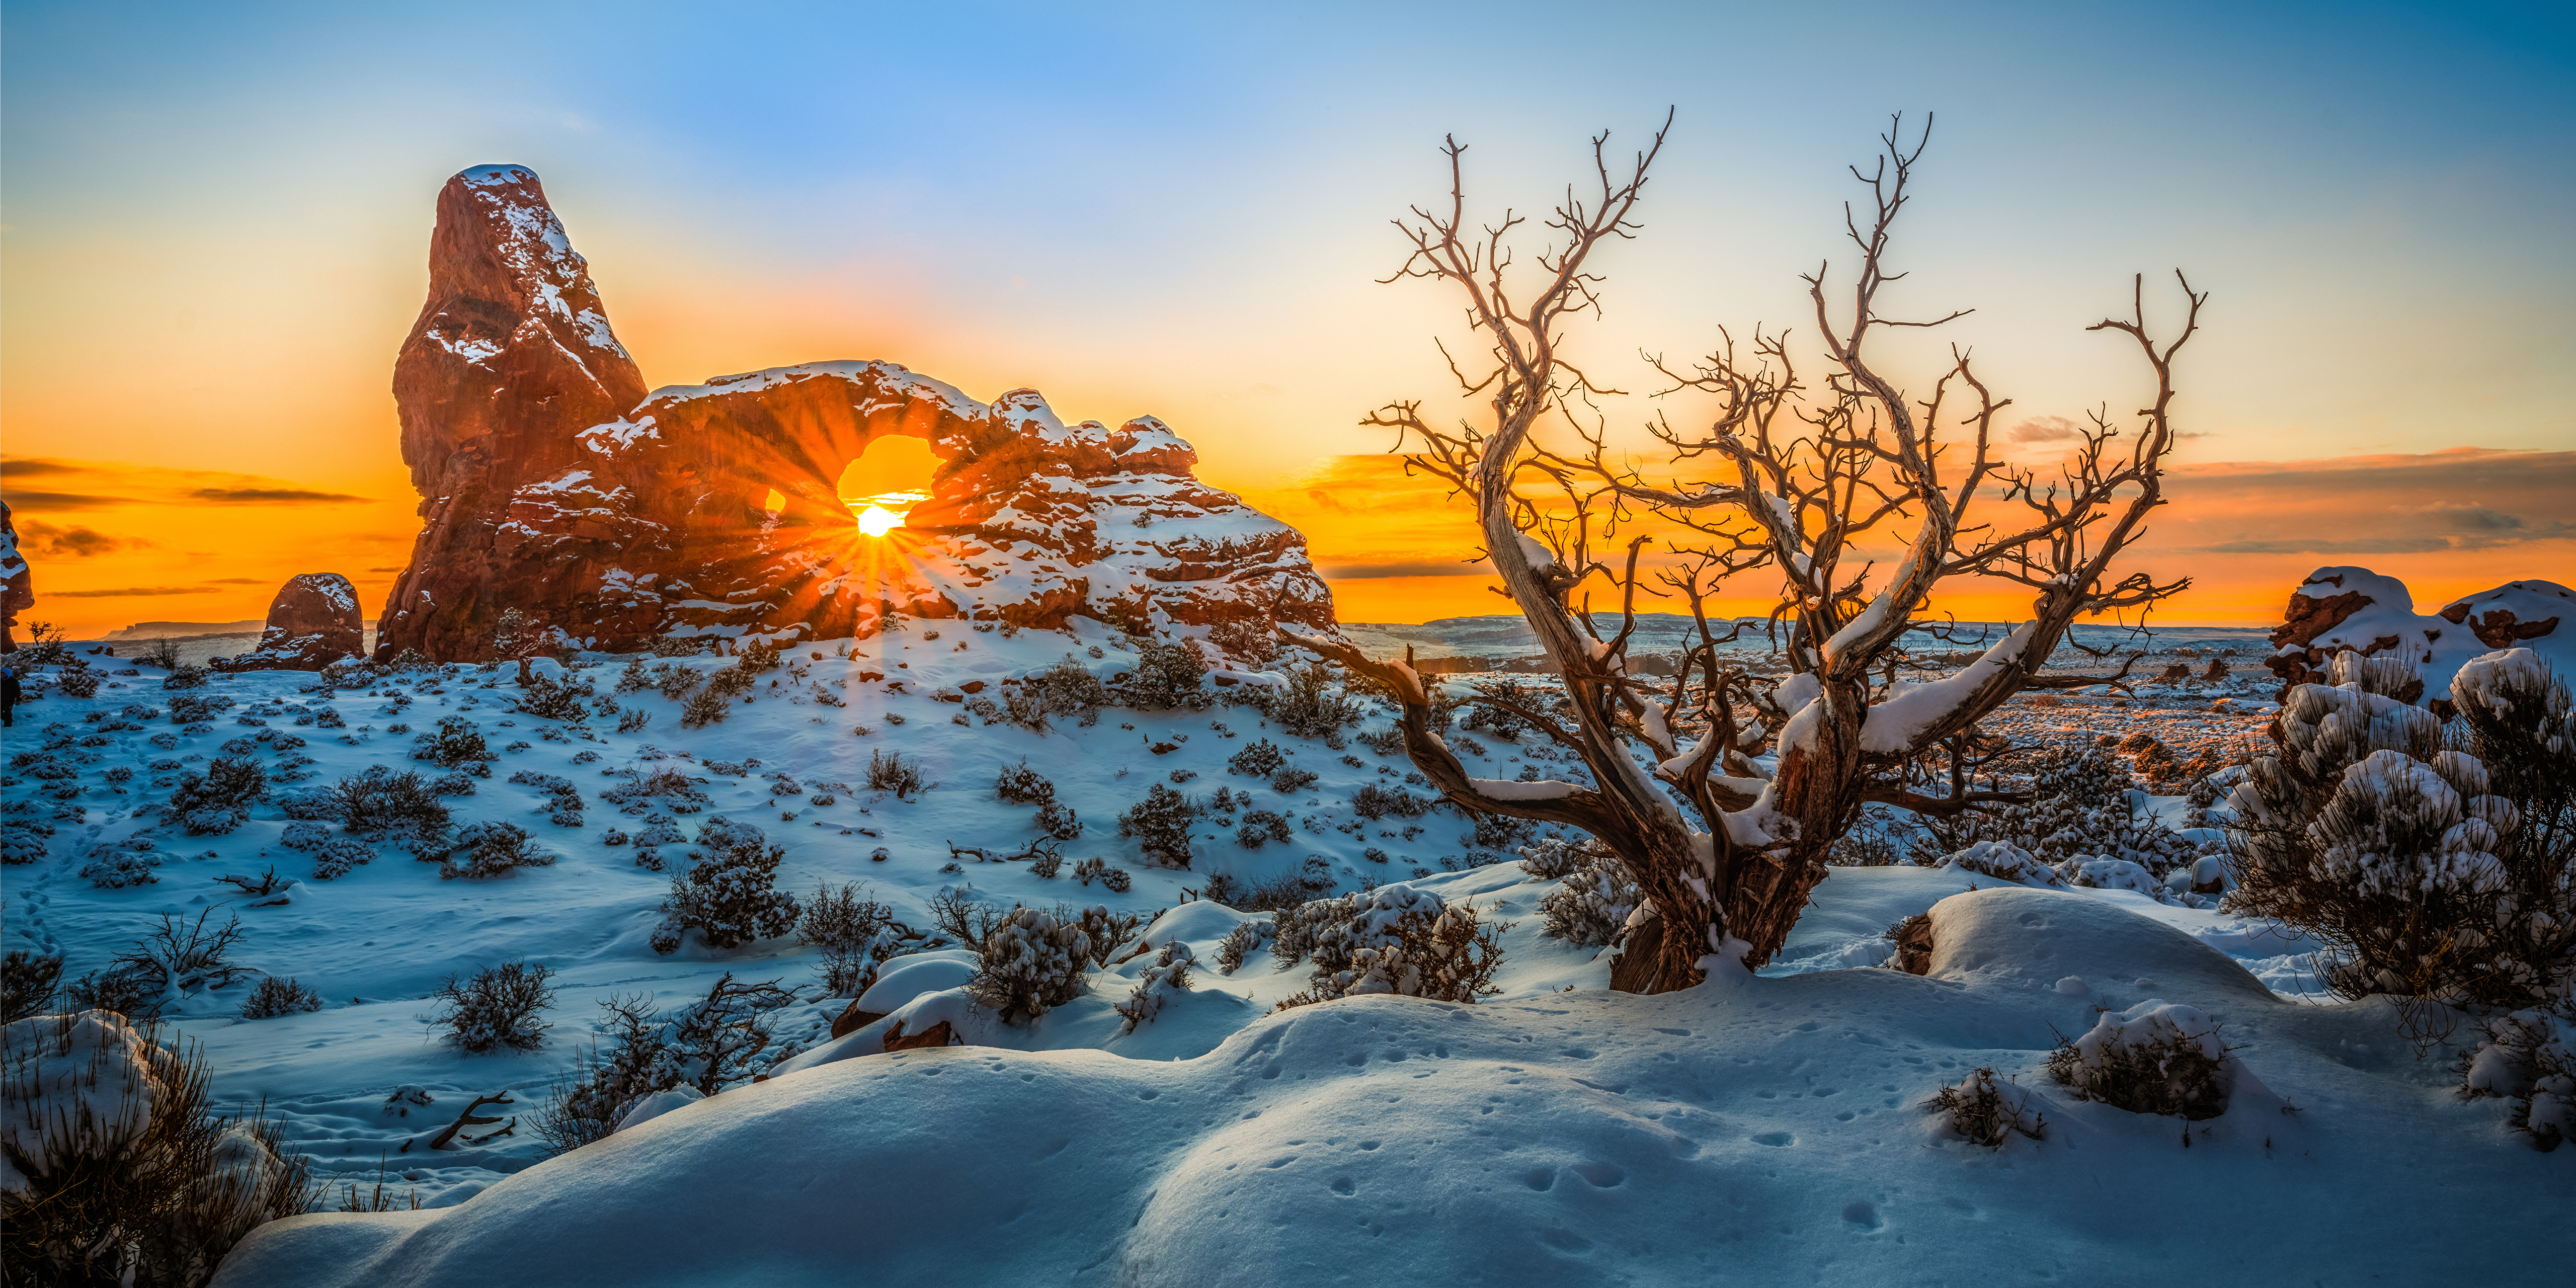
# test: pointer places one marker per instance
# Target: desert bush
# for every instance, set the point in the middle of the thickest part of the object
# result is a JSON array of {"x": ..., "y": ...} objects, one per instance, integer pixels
[
  {"x": 119, "y": 865},
  {"x": 673, "y": 789},
  {"x": 729, "y": 895},
  {"x": 1293, "y": 780},
  {"x": 184, "y": 677},
  {"x": 1167, "y": 676},
  {"x": 1065, "y": 689},
  {"x": 179, "y": 957},
  {"x": 1251, "y": 640},
  {"x": 1988, "y": 1112},
  {"x": 490, "y": 849},
  {"x": 1392, "y": 939},
  {"x": 1167, "y": 978},
  {"x": 218, "y": 800},
  {"x": 550, "y": 699},
  {"x": 708, "y": 707},
  {"x": 381, "y": 805},
  {"x": 2078, "y": 809},
  {"x": 1032, "y": 962},
  {"x": 562, "y": 805},
  {"x": 161, "y": 654},
  {"x": 113, "y": 990},
  {"x": 304, "y": 836},
  {"x": 890, "y": 772},
  {"x": 499, "y": 1007},
  {"x": 2437, "y": 864},
  {"x": 1590, "y": 906},
  {"x": 1238, "y": 944},
  {"x": 340, "y": 855},
  {"x": 1160, "y": 823},
  {"x": 627, "y": 1063},
  {"x": 1374, "y": 802},
  {"x": 1309, "y": 707},
  {"x": 121, "y": 1172},
  {"x": 679, "y": 646},
  {"x": 456, "y": 743},
  {"x": 2528, "y": 1058},
  {"x": 1259, "y": 826},
  {"x": 855, "y": 934},
  {"x": 1021, "y": 785},
  {"x": 275, "y": 997},
  {"x": 2155, "y": 1058},
  {"x": 1258, "y": 759},
  {"x": 27, "y": 984}
]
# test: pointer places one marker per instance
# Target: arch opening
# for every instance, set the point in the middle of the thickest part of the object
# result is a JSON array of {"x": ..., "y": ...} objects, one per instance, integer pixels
[{"x": 882, "y": 485}]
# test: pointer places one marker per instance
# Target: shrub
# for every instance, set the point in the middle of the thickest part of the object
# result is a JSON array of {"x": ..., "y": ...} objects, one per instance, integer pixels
[
  {"x": 1374, "y": 802},
  {"x": 304, "y": 836},
  {"x": 709, "y": 707},
  {"x": 1292, "y": 780},
  {"x": 1033, "y": 961},
  {"x": 275, "y": 997},
  {"x": 187, "y": 957},
  {"x": 1168, "y": 977},
  {"x": 456, "y": 742},
  {"x": 1021, "y": 785},
  {"x": 2154, "y": 1058},
  {"x": 117, "y": 991},
  {"x": 121, "y": 865},
  {"x": 1237, "y": 944},
  {"x": 1167, "y": 676},
  {"x": 218, "y": 800},
  {"x": 1160, "y": 823},
  {"x": 1261, "y": 825},
  {"x": 676, "y": 791},
  {"x": 730, "y": 896},
  {"x": 1309, "y": 707},
  {"x": 120, "y": 1170},
  {"x": 1259, "y": 759},
  {"x": 549, "y": 699},
  {"x": 2529, "y": 1059},
  {"x": 185, "y": 677},
  {"x": 338, "y": 857},
  {"x": 27, "y": 984},
  {"x": 1987, "y": 1112},
  {"x": 1393, "y": 939},
  {"x": 1591, "y": 905},
  {"x": 498, "y": 1007},
  {"x": 398, "y": 807},
  {"x": 1385, "y": 742},
  {"x": 1064, "y": 689},
  {"x": 630, "y": 1063},
  {"x": 490, "y": 849},
  {"x": 2434, "y": 864},
  {"x": 2079, "y": 807},
  {"x": 855, "y": 935},
  {"x": 890, "y": 772},
  {"x": 633, "y": 720},
  {"x": 562, "y": 805}
]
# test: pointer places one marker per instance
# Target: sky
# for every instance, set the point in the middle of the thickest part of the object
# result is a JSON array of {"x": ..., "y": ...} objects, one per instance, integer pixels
[{"x": 214, "y": 223}]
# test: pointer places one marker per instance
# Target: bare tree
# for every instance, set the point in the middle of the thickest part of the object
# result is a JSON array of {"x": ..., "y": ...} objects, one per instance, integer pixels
[{"x": 1726, "y": 850}]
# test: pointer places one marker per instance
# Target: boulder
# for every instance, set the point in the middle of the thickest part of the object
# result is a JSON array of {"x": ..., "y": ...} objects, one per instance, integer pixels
[
  {"x": 2339, "y": 610},
  {"x": 313, "y": 622},
  {"x": 553, "y": 485},
  {"x": 17, "y": 582}
]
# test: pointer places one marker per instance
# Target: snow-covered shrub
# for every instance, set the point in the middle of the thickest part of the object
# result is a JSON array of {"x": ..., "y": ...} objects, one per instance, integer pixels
[
  {"x": 1168, "y": 977},
  {"x": 856, "y": 935},
  {"x": 380, "y": 804},
  {"x": 218, "y": 800},
  {"x": 890, "y": 772},
  {"x": 1551, "y": 857},
  {"x": 304, "y": 836},
  {"x": 628, "y": 1063},
  {"x": 1064, "y": 689},
  {"x": 729, "y": 895},
  {"x": 185, "y": 677},
  {"x": 1261, "y": 825},
  {"x": 709, "y": 707},
  {"x": 22, "y": 842},
  {"x": 1589, "y": 908},
  {"x": 456, "y": 743},
  {"x": 1309, "y": 707},
  {"x": 2434, "y": 863},
  {"x": 116, "y": 865},
  {"x": 27, "y": 983},
  {"x": 2004, "y": 861},
  {"x": 1238, "y": 943},
  {"x": 1160, "y": 824},
  {"x": 2529, "y": 1059},
  {"x": 1987, "y": 1112},
  {"x": 1021, "y": 785},
  {"x": 1250, "y": 639},
  {"x": 1033, "y": 961},
  {"x": 489, "y": 849},
  {"x": 119, "y": 1170},
  {"x": 339, "y": 856},
  {"x": 499, "y": 1007},
  {"x": 178, "y": 957},
  {"x": 2092, "y": 872},
  {"x": 1167, "y": 676},
  {"x": 120, "y": 991},
  {"x": 1258, "y": 759},
  {"x": 549, "y": 699},
  {"x": 2079, "y": 806},
  {"x": 562, "y": 805},
  {"x": 675, "y": 790},
  {"x": 1393, "y": 939},
  {"x": 2154, "y": 1058},
  {"x": 275, "y": 997}
]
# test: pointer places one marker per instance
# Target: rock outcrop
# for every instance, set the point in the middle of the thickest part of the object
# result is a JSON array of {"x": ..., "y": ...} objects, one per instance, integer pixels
[
  {"x": 17, "y": 582},
  {"x": 2339, "y": 610},
  {"x": 615, "y": 525},
  {"x": 313, "y": 622}
]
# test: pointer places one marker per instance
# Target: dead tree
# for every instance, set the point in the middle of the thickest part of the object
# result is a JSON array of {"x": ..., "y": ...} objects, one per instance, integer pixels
[{"x": 1785, "y": 479}]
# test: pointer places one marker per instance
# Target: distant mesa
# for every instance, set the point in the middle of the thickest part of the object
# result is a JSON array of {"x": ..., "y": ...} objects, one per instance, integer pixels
[
  {"x": 551, "y": 483},
  {"x": 184, "y": 630},
  {"x": 2339, "y": 610},
  {"x": 313, "y": 622}
]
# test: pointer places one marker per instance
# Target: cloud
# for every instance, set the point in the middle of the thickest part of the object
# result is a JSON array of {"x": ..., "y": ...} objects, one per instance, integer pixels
[
  {"x": 125, "y": 591},
  {"x": 2470, "y": 517},
  {"x": 237, "y": 581},
  {"x": 395, "y": 568},
  {"x": 62, "y": 501},
  {"x": 2364, "y": 546},
  {"x": 74, "y": 542},
  {"x": 269, "y": 496},
  {"x": 28, "y": 467},
  {"x": 2044, "y": 429}
]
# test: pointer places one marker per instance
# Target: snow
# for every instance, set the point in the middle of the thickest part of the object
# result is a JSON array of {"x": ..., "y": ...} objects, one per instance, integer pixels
[
  {"x": 1897, "y": 720},
  {"x": 2388, "y": 624}
]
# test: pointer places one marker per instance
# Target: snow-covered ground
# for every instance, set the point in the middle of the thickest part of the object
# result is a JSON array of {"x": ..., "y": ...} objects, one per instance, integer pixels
[{"x": 1758, "y": 1130}]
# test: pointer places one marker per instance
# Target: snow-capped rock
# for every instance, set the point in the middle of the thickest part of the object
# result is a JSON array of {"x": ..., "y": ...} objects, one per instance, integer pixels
[
  {"x": 313, "y": 622},
  {"x": 2354, "y": 609}
]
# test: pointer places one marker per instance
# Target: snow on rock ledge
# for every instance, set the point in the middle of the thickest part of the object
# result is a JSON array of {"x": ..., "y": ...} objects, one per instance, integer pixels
[
  {"x": 313, "y": 622},
  {"x": 2356, "y": 610}
]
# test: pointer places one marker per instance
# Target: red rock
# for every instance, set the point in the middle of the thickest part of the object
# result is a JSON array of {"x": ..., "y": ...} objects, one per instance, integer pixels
[
  {"x": 313, "y": 622},
  {"x": 937, "y": 1035},
  {"x": 623, "y": 521},
  {"x": 17, "y": 582}
]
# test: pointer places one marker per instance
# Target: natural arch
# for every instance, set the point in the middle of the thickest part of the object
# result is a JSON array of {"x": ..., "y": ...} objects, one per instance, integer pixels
[{"x": 893, "y": 474}]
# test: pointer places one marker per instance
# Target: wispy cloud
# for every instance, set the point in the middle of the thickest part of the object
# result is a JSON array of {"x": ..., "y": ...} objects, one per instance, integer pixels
[
  {"x": 127, "y": 591},
  {"x": 74, "y": 542},
  {"x": 157, "y": 485},
  {"x": 54, "y": 501},
  {"x": 1417, "y": 568},
  {"x": 269, "y": 496}
]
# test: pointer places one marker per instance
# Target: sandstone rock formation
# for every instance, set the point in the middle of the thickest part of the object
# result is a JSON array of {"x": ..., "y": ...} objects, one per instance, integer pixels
[
  {"x": 313, "y": 622},
  {"x": 551, "y": 485},
  {"x": 2354, "y": 609},
  {"x": 17, "y": 582}
]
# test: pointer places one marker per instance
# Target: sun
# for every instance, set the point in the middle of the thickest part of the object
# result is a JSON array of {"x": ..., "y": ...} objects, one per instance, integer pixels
[{"x": 876, "y": 521}]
